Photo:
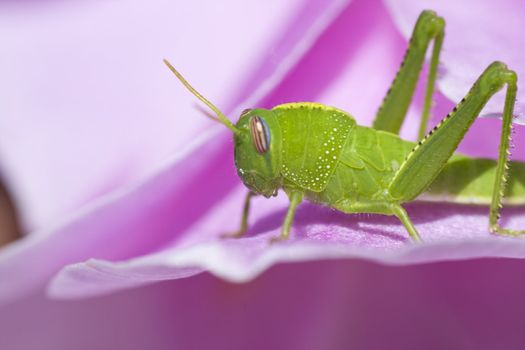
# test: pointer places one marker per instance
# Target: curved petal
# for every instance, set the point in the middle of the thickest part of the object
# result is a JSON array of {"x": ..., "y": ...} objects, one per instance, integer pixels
[{"x": 451, "y": 232}]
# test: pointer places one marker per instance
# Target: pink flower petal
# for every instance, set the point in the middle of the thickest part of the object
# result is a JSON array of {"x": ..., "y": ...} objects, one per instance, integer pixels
[
  {"x": 148, "y": 232},
  {"x": 144, "y": 217},
  {"x": 451, "y": 232}
]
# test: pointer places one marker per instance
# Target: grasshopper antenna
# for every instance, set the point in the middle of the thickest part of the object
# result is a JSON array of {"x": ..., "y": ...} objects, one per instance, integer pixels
[{"x": 221, "y": 118}]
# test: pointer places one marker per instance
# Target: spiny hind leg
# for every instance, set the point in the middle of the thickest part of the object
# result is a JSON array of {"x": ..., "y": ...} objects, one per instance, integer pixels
[
  {"x": 384, "y": 208},
  {"x": 431, "y": 154},
  {"x": 393, "y": 109}
]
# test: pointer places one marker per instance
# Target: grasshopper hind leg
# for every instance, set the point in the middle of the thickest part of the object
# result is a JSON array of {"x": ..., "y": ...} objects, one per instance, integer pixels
[
  {"x": 430, "y": 155},
  {"x": 392, "y": 112}
]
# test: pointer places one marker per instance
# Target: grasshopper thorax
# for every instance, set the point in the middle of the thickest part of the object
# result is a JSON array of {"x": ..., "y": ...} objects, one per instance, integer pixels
[{"x": 258, "y": 151}]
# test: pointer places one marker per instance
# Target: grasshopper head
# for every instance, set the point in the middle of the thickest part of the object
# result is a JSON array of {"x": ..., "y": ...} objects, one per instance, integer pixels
[
  {"x": 258, "y": 151},
  {"x": 257, "y": 137}
]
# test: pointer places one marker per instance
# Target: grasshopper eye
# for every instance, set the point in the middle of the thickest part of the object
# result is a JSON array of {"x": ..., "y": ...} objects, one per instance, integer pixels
[{"x": 260, "y": 134}]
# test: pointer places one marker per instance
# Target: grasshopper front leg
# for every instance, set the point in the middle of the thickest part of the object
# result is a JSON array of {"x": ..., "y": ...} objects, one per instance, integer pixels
[
  {"x": 431, "y": 154},
  {"x": 244, "y": 220},
  {"x": 295, "y": 199}
]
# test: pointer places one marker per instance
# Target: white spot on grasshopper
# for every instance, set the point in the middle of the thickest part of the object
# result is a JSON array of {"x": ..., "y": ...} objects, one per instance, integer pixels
[{"x": 395, "y": 165}]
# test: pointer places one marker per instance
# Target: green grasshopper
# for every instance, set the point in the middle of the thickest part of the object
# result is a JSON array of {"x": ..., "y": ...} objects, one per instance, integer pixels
[{"x": 319, "y": 153}]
